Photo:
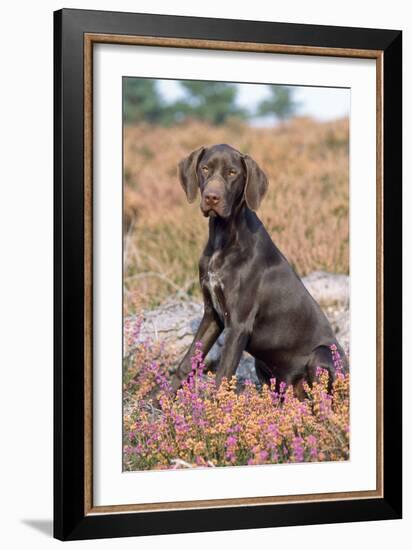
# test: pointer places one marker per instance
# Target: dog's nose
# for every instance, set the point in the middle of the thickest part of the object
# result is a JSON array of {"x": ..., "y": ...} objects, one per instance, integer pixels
[{"x": 211, "y": 198}]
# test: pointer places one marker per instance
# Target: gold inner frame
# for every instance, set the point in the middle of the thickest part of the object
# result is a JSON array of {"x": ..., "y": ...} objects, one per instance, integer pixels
[{"x": 89, "y": 40}]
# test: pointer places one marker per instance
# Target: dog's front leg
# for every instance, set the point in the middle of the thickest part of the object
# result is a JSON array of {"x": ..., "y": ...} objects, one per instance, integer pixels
[
  {"x": 235, "y": 343},
  {"x": 207, "y": 334}
]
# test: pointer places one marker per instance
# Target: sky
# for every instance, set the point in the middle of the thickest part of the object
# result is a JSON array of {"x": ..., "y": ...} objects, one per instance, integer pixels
[{"x": 320, "y": 103}]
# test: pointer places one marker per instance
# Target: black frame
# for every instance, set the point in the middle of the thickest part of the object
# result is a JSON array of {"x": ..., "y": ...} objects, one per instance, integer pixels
[{"x": 70, "y": 521}]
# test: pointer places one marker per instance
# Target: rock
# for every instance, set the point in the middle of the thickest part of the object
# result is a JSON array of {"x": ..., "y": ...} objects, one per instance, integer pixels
[
  {"x": 176, "y": 321},
  {"x": 331, "y": 291},
  {"x": 328, "y": 288}
]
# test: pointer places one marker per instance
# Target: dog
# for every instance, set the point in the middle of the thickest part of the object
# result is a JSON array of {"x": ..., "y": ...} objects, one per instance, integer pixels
[{"x": 249, "y": 288}]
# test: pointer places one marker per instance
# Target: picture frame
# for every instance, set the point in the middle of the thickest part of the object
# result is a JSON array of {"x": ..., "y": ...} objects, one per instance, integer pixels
[{"x": 76, "y": 32}]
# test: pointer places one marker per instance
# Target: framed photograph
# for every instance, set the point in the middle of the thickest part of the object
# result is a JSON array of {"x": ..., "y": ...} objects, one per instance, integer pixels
[{"x": 227, "y": 274}]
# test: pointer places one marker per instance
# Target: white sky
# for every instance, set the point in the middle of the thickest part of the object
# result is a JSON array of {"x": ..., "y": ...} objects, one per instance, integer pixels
[{"x": 319, "y": 103}]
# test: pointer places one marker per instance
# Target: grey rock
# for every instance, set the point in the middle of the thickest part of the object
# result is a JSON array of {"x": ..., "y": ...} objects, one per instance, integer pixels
[
  {"x": 176, "y": 321},
  {"x": 328, "y": 288},
  {"x": 331, "y": 291}
]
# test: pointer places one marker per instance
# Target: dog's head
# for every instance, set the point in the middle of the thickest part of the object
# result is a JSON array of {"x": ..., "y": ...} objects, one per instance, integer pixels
[{"x": 225, "y": 178}]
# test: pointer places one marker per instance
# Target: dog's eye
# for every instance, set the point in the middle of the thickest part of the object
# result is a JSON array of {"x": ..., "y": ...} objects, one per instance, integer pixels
[
  {"x": 232, "y": 172},
  {"x": 205, "y": 169}
]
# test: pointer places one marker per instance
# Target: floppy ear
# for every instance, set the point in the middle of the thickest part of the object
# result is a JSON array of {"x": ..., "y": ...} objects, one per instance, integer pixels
[
  {"x": 188, "y": 173},
  {"x": 256, "y": 183}
]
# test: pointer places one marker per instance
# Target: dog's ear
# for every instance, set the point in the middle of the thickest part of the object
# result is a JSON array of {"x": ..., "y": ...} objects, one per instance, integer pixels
[
  {"x": 256, "y": 183},
  {"x": 188, "y": 173}
]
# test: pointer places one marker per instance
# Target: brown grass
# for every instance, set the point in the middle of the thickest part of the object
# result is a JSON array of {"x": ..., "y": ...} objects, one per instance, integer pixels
[{"x": 305, "y": 210}]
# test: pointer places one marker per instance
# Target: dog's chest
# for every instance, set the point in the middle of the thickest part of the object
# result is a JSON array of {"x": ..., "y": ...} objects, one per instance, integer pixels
[{"x": 215, "y": 285}]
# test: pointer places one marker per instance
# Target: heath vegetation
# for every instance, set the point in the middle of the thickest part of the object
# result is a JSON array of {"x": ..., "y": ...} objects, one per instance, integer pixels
[{"x": 206, "y": 426}]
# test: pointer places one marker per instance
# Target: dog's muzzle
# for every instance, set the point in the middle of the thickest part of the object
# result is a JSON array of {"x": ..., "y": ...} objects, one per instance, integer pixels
[{"x": 212, "y": 198}]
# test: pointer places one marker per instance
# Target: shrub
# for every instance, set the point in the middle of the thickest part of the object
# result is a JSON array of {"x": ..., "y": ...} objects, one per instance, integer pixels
[{"x": 206, "y": 426}]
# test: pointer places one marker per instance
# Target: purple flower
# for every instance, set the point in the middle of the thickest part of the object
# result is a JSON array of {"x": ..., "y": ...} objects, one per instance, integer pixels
[
  {"x": 336, "y": 358},
  {"x": 227, "y": 408},
  {"x": 297, "y": 449},
  {"x": 230, "y": 448},
  {"x": 318, "y": 371},
  {"x": 273, "y": 430},
  {"x": 231, "y": 441},
  {"x": 312, "y": 444}
]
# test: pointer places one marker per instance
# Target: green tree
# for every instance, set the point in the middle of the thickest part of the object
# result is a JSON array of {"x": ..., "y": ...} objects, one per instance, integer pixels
[
  {"x": 280, "y": 103},
  {"x": 142, "y": 101},
  {"x": 214, "y": 102}
]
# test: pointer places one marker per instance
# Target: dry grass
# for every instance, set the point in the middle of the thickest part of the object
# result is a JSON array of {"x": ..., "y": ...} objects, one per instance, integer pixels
[{"x": 305, "y": 210}]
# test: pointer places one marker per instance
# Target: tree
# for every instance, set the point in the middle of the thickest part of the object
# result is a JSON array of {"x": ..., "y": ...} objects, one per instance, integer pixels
[
  {"x": 142, "y": 101},
  {"x": 281, "y": 103},
  {"x": 214, "y": 102}
]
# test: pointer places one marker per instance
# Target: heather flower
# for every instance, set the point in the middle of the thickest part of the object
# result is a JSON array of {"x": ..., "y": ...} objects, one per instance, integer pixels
[
  {"x": 297, "y": 449},
  {"x": 206, "y": 426},
  {"x": 337, "y": 360},
  {"x": 231, "y": 441},
  {"x": 312, "y": 444}
]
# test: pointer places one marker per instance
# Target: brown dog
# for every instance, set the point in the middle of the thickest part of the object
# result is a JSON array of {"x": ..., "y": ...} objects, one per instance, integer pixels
[{"x": 249, "y": 288}]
